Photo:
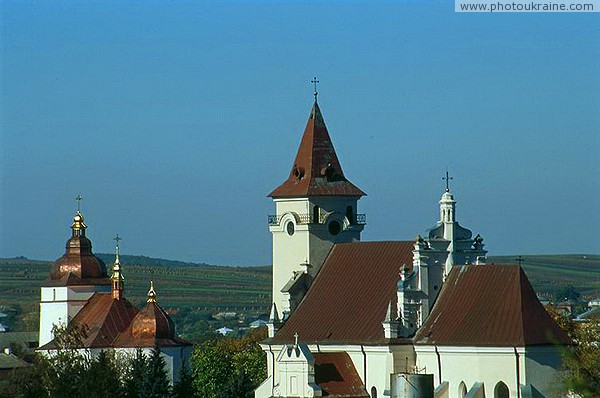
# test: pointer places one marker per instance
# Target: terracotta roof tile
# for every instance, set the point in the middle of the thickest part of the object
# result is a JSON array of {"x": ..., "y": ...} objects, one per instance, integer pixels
[
  {"x": 336, "y": 375},
  {"x": 105, "y": 319},
  {"x": 316, "y": 170},
  {"x": 489, "y": 305},
  {"x": 349, "y": 297}
]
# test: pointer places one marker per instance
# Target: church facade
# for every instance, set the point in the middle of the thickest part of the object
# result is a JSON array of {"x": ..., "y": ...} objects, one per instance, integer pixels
[
  {"x": 425, "y": 317},
  {"x": 79, "y": 292}
]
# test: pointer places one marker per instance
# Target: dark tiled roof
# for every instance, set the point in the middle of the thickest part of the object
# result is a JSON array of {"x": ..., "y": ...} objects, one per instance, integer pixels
[
  {"x": 10, "y": 361},
  {"x": 105, "y": 318},
  {"x": 489, "y": 305},
  {"x": 316, "y": 170},
  {"x": 349, "y": 297},
  {"x": 336, "y": 375}
]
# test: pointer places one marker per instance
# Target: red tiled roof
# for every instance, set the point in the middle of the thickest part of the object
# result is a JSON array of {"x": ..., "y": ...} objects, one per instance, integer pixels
[
  {"x": 349, "y": 297},
  {"x": 316, "y": 170},
  {"x": 105, "y": 319},
  {"x": 489, "y": 305},
  {"x": 336, "y": 375}
]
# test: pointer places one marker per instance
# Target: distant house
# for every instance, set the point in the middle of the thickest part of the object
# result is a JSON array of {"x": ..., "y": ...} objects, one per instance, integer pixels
[
  {"x": 258, "y": 323},
  {"x": 9, "y": 363},
  {"x": 224, "y": 331}
]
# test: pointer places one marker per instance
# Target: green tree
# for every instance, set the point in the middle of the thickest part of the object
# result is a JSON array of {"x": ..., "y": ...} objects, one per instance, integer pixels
[
  {"x": 581, "y": 373},
  {"x": 211, "y": 367},
  {"x": 228, "y": 367},
  {"x": 156, "y": 380},
  {"x": 582, "y": 360},
  {"x": 67, "y": 366},
  {"x": 135, "y": 375},
  {"x": 184, "y": 387},
  {"x": 103, "y": 377}
]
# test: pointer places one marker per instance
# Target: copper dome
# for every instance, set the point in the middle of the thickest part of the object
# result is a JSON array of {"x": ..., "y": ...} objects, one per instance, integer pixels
[
  {"x": 152, "y": 322},
  {"x": 78, "y": 259}
]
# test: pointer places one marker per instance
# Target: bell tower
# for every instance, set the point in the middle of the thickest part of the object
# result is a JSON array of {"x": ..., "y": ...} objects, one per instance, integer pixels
[
  {"x": 73, "y": 279},
  {"x": 315, "y": 208}
]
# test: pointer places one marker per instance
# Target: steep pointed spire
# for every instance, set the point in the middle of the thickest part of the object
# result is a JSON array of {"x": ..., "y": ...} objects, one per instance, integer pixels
[
  {"x": 118, "y": 282},
  {"x": 274, "y": 322},
  {"x": 316, "y": 170}
]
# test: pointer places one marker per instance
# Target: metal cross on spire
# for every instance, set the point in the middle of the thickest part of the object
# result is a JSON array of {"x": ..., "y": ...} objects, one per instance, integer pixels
[
  {"x": 520, "y": 260},
  {"x": 117, "y": 239},
  {"x": 79, "y": 198},
  {"x": 315, "y": 81},
  {"x": 447, "y": 178},
  {"x": 296, "y": 339}
]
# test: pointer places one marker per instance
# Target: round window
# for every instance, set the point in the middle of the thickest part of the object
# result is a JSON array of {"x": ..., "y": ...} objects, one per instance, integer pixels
[
  {"x": 334, "y": 227},
  {"x": 290, "y": 228}
]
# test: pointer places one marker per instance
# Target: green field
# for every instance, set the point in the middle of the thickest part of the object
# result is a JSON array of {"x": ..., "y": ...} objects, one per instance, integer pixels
[
  {"x": 201, "y": 289},
  {"x": 548, "y": 273},
  {"x": 197, "y": 287}
]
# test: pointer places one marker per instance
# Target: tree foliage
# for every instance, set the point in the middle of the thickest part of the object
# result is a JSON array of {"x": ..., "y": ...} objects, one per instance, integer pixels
[
  {"x": 581, "y": 361},
  {"x": 228, "y": 367},
  {"x": 70, "y": 371}
]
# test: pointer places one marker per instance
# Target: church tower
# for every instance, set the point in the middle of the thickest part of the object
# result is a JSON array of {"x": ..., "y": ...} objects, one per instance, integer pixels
[
  {"x": 315, "y": 208},
  {"x": 74, "y": 278},
  {"x": 445, "y": 245}
]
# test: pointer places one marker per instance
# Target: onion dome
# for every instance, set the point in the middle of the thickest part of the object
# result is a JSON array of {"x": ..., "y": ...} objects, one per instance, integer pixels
[
  {"x": 78, "y": 260},
  {"x": 152, "y": 322}
]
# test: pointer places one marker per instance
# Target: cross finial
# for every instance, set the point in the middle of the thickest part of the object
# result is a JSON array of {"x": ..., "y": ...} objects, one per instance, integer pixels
[
  {"x": 519, "y": 260},
  {"x": 447, "y": 178},
  {"x": 315, "y": 81},
  {"x": 117, "y": 239},
  {"x": 296, "y": 339},
  {"x": 79, "y": 198}
]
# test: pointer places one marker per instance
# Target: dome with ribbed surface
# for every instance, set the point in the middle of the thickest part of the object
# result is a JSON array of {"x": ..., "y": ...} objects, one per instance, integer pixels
[
  {"x": 152, "y": 322},
  {"x": 78, "y": 260}
]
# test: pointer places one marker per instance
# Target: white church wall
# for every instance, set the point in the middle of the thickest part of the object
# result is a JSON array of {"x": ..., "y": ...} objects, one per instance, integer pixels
[
  {"x": 541, "y": 364},
  {"x": 487, "y": 365},
  {"x": 58, "y": 304}
]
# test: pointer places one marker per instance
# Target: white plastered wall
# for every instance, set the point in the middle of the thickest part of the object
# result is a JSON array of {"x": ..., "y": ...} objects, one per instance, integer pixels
[
  {"x": 59, "y": 304},
  {"x": 515, "y": 367}
]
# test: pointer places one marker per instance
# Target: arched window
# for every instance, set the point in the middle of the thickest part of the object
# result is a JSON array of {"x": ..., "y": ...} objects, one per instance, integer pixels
[
  {"x": 462, "y": 389},
  {"x": 373, "y": 392},
  {"x": 350, "y": 214},
  {"x": 501, "y": 390}
]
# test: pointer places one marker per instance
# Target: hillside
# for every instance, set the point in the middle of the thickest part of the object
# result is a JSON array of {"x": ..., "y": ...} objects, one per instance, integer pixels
[
  {"x": 196, "y": 287},
  {"x": 548, "y": 273},
  {"x": 205, "y": 289}
]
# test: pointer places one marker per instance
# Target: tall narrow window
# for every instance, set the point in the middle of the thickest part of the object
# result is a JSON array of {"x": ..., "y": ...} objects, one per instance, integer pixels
[
  {"x": 373, "y": 392},
  {"x": 350, "y": 214},
  {"x": 316, "y": 215}
]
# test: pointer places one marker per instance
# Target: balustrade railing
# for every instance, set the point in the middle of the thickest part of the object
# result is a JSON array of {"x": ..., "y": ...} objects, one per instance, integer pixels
[{"x": 275, "y": 219}]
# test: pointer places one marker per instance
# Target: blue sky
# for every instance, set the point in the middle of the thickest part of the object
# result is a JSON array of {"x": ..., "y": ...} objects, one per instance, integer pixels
[{"x": 174, "y": 120}]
